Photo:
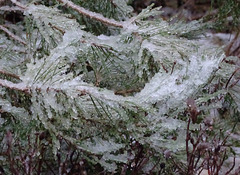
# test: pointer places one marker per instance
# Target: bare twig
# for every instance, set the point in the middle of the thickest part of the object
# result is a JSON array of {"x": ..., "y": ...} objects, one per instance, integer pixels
[
  {"x": 92, "y": 15},
  {"x": 12, "y": 35},
  {"x": 229, "y": 171},
  {"x": 187, "y": 139},
  {"x": 174, "y": 63},
  {"x": 164, "y": 68}
]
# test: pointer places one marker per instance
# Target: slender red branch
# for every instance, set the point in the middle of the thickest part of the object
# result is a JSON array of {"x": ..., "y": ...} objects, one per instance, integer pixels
[
  {"x": 92, "y": 15},
  {"x": 187, "y": 139},
  {"x": 174, "y": 63}
]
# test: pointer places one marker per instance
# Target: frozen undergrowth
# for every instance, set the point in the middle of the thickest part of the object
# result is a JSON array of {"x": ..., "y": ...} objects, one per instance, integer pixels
[{"x": 99, "y": 92}]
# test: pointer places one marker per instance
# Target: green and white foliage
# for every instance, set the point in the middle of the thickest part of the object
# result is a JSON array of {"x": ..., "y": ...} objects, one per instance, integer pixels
[
  {"x": 112, "y": 9},
  {"x": 100, "y": 92}
]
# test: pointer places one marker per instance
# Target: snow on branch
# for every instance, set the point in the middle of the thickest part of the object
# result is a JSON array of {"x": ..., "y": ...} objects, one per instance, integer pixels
[
  {"x": 18, "y": 4},
  {"x": 10, "y": 85},
  {"x": 9, "y": 74},
  {"x": 17, "y": 38},
  {"x": 26, "y": 89},
  {"x": 11, "y": 9},
  {"x": 91, "y": 15}
]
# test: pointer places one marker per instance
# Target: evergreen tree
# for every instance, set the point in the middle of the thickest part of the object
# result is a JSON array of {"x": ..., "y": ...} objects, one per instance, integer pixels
[{"x": 86, "y": 87}]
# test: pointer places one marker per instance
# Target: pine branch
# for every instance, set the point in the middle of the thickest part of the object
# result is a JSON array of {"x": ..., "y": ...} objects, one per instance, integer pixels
[
  {"x": 24, "y": 88},
  {"x": 10, "y": 85},
  {"x": 15, "y": 37},
  {"x": 92, "y": 15}
]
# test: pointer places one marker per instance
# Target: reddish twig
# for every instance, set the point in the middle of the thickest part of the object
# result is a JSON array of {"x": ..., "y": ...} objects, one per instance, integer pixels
[
  {"x": 164, "y": 68},
  {"x": 228, "y": 172},
  {"x": 174, "y": 63}
]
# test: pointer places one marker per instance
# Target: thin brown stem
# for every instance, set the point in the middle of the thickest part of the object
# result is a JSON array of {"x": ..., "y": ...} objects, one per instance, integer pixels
[
  {"x": 92, "y": 15},
  {"x": 187, "y": 139},
  {"x": 174, "y": 63}
]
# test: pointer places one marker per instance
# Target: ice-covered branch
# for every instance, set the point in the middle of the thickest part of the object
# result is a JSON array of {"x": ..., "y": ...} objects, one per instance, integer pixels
[
  {"x": 24, "y": 88},
  {"x": 9, "y": 74},
  {"x": 18, "y": 4},
  {"x": 17, "y": 38},
  {"x": 92, "y": 15},
  {"x": 10, "y": 85},
  {"x": 11, "y": 9}
]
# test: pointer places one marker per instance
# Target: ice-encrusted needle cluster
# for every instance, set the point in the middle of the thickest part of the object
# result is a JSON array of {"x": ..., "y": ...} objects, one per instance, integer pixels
[{"x": 98, "y": 92}]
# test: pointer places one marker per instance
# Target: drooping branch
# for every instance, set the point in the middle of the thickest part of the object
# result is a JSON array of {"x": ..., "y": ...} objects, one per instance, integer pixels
[
  {"x": 15, "y": 37},
  {"x": 92, "y": 15}
]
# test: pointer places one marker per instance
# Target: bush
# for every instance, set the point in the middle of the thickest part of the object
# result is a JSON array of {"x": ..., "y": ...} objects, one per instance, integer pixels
[{"x": 103, "y": 92}]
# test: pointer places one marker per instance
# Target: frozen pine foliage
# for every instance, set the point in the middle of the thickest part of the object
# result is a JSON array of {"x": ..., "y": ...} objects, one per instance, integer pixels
[{"x": 89, "y": 85}]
